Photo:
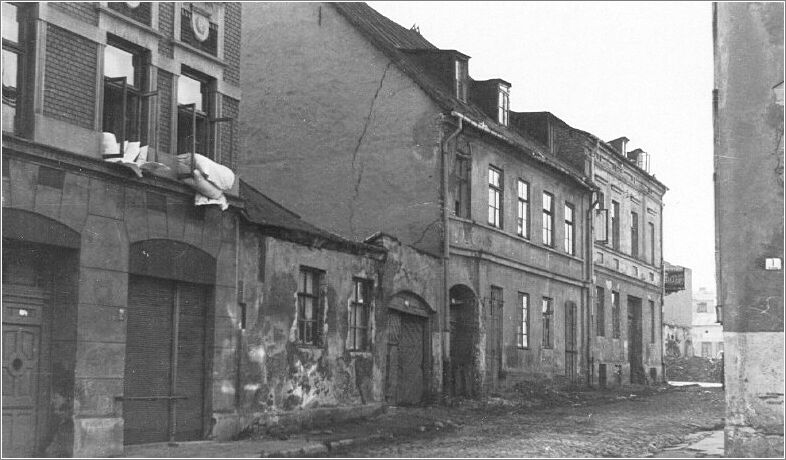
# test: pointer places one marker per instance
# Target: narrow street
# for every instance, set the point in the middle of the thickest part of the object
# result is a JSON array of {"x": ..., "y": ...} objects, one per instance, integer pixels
[{"x": 597, "y": 425}]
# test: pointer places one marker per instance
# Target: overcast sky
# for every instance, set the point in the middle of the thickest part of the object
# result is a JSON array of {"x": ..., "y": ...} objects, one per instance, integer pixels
[{"x": 637, "y": 69}]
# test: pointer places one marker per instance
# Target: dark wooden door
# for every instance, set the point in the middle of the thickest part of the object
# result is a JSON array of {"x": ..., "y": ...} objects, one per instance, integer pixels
[
  {"x": 571, "y": 352},
  {"x": 493, "y": 322},
  {"x": 635, "y": 340},
  {"x": 24, "y": 357},
  {"x": 405, "y": 363},
  {"x": 165, "y": 361}
]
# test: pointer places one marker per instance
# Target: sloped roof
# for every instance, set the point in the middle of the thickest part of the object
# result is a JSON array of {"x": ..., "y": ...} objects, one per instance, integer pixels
[
  {"x": 285, "y": 224},
  {"x": 398, "y": 42}
]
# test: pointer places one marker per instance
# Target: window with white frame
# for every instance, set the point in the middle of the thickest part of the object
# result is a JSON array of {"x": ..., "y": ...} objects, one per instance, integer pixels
[
  {"x": 461, "y": 79},
  {"x": 569, "y": 237},
  {"x": 503, "y": 106},
  {"x": 359, "y": 315},
  {"x": 523, "y": 332},
  {"x": 309, "y": 314},
  {"x": 548, "y": 219},
  {"x": 523, "y": 209},
  {"x": 495, "y": 197}
]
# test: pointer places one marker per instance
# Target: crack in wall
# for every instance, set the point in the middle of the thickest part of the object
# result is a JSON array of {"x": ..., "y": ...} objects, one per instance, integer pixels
[
  {"x": 425, "y": 230},
  {"x": 366, "y": 124}
]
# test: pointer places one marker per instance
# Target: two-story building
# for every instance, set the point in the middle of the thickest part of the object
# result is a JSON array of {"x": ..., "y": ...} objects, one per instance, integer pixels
[
  {"x": 627, "y": 263},
  {"x": 114, "y": 281},
  {"x": 361, "y": 125}
]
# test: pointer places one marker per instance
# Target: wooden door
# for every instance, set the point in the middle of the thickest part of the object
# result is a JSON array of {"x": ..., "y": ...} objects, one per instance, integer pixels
[
  {"x": 25, "y": 351},
  {"x": 494, "y": 338},
  {"x": 571, "y": 352},
  {"x": 404, "y": 381}
]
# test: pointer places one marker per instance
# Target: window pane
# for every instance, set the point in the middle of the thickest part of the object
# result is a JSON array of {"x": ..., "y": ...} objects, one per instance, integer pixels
[
  {"x": 119, "y": 63},
  {"x": 10, "y": 60},
  {"x": 10, "y": 24},
  {"x": 189, "y": 91}
]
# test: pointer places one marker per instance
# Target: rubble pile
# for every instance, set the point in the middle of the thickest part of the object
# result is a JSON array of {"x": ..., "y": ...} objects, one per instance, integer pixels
[{"x": 694, "y": 369}]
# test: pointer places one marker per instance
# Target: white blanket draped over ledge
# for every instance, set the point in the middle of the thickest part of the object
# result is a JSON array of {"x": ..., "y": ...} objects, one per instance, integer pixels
[{"x": 209, "y": 179}]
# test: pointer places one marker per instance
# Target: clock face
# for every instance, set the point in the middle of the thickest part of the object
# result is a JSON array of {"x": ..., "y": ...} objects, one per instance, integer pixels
[
  {"x": 201, "y": 26},
  {"x": 132, "y": 5}
]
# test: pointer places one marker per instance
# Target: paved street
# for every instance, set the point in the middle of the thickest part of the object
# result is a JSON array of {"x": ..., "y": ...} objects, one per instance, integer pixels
[{"x": 614, "y": 425}]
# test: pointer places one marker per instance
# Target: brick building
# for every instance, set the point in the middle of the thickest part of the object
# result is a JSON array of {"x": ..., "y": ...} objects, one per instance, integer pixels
[
  {"x": 749, "y": 157},
  {"x": 363, "y": 126},
  {"x": 627, "y": 263},
  {"x": 114, "y": 282}
]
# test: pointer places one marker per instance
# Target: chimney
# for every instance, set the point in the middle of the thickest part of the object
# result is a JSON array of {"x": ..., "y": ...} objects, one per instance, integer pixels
[
  {"x": 621, "y": 144},
  {"x": 493, "y": 98},
  {"x": 640, "y": 158}
]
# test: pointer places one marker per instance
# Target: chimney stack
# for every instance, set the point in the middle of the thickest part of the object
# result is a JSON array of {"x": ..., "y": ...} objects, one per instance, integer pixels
[{"x": 621, "y": 144}]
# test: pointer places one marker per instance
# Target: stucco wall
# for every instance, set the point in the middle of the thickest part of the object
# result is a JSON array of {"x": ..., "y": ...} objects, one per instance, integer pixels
[
  {"x": 749, "y": 190},
  {"x": 333, "y": 130}
]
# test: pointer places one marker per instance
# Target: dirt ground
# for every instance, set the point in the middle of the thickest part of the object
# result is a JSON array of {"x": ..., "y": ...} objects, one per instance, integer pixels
[{"x": 634, "y": 421}]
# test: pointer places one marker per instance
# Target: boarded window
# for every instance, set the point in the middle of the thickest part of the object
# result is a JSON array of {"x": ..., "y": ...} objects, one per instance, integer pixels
[{"x": 600, "y": 312}]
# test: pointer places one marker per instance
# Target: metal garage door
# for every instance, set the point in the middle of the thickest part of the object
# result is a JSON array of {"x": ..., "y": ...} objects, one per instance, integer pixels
[
  {"x": 405, "y": 358},
  {"x": 165, "y": 361}
]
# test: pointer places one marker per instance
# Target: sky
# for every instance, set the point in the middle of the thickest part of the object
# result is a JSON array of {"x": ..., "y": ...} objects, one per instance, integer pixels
[{"x": 643, "y": 70}]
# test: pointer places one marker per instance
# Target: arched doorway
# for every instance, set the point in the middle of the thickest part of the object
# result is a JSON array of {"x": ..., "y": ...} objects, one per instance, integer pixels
[
  {"x": 408, "y": 360},
  {"x": 463, "y": 338},
  {"x": 40, "y": 281},
  {"x": 168, "y": 341}
]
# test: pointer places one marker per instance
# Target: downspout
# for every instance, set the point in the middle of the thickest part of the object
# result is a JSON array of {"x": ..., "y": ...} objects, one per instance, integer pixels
[
  {"x": 662, "y": 294},
  {"x": 591, "y": 266},
  {"x": 446, "y": 248}
]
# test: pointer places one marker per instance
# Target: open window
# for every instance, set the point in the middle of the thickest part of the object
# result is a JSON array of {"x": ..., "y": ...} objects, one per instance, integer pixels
[
  {"x": 126, "y": 110},
  {"x": 193, "y": 114}
]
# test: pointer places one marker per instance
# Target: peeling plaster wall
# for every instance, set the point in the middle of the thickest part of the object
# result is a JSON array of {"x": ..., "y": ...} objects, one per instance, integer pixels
[
  {"x": 278, "y": 374},
  {"x": 749, "y": 190},
  {"x": 320, "y": 103}
]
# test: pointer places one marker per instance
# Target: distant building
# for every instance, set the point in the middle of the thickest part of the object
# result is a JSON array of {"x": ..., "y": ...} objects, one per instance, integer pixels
[
  {"x": 749, "y": 189},
  {"x": 678, "y": 316},
  {"x": 627, "y": 272},
  {"x": 706, "y": 331}
]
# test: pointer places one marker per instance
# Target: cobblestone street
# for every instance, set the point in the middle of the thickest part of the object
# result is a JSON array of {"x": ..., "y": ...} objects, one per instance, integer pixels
[{"x": 597, "y": 425}]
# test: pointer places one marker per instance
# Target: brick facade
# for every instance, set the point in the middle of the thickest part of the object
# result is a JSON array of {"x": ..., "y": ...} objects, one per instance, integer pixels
[
  {"x": 232, "y": 42},
  {"x": 166, "y": 24},
  {"x": 230, "y": 141},
  {"x": 165, "y": 111},
  {"x": 86, "y": 11},
  {"x": 70, "y": 77}
]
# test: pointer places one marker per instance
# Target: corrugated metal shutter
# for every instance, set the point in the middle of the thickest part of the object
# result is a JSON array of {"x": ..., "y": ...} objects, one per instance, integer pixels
[
  {"x": 148, "y": 360},
  {"x": 148, "y": 396},
  {"x": 190, "y": 362}
]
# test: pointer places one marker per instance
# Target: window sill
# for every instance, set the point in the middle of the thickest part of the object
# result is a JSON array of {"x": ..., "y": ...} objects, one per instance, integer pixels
[
  {"x": 204, "y": 54},
  {"x": 305, "y": 346}
]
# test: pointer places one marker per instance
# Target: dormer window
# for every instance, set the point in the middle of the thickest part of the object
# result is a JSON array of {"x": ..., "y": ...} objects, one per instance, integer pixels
[
  {"x": 503, "y": 105},
  {"x": 461, "y": 75}
]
